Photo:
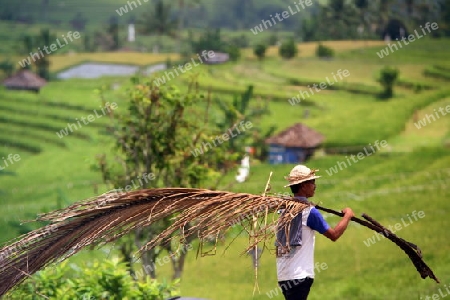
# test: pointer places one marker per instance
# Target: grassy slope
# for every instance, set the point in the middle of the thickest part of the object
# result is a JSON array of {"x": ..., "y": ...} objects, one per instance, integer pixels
[
  {"x": 59, "y": 171},
  {"x": 433, "y": 134},
  {"x": 382, "y": 120},
  {"x": 354, "y": 271}
]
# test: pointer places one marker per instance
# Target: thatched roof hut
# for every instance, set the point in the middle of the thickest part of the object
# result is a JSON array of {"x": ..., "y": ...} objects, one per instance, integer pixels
[
  {"x": 294, "y": 144},
  {"x": 24, "y": 80}
]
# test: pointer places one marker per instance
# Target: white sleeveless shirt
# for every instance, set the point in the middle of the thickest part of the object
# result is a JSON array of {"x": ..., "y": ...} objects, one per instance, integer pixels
[{"x": 299, "y": 262}]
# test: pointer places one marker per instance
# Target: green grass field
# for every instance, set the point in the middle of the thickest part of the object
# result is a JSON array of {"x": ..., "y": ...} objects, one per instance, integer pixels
[{"x": 411, "y": 174}]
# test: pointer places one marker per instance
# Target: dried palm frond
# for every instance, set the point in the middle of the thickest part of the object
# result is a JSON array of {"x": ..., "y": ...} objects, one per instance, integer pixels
[
  {"x": 103, "y": 219},
  {"x": 106, "y": 218}
]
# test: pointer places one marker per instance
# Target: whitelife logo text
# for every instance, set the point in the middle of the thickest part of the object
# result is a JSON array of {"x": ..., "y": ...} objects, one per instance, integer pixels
[
  {"x": 231, "y": 133},
  {"x": 53, "y": 47},
  {"x": 411, "y": 38}
]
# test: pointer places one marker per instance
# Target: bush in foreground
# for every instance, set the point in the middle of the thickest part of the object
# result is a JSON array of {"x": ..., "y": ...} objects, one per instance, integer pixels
[{"x": 109, "y": 279}]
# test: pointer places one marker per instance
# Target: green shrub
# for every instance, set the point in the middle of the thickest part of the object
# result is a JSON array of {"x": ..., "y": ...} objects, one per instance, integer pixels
[
  {"x": 387, "y": 79},
  {"x": 260, "y": 51},
  {"x": 324, "y": 51},
  {"x": 234, "y": 52},
  {"x": 288, "y": 49},
  {"x": 109, "y": 279}
]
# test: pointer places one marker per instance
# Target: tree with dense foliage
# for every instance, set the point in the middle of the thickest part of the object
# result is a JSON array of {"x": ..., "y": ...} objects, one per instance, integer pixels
[
  {"x": 241, "y": 109},
  {"x": 166, "y": 134},
  {"x": 338, "y": 20}
]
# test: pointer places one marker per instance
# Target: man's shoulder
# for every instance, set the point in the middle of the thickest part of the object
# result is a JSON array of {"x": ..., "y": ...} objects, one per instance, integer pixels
[
  {"x": 316, "y": 221},
  {"x": 314, "y": 213}
]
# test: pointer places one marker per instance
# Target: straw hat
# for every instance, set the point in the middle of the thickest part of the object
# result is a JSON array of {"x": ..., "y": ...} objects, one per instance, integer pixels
[{"x": 299, "y": 174}]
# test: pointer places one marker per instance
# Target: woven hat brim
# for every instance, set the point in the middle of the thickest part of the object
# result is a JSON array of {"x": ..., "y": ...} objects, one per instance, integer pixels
[{"x": 302, "y": 180}]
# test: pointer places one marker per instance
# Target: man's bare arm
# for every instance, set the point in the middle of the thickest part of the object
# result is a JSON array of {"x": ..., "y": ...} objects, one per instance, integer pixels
[{"x": 335, "y": 233}]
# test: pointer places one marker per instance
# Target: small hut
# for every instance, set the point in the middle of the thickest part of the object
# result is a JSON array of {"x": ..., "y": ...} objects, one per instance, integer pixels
[
  {"x": 24, "y": 80},
  {"x": 295, "y": 144}
]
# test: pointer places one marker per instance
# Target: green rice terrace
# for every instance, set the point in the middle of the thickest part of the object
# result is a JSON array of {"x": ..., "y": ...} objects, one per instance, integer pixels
[{"x": 412, "y": 173}]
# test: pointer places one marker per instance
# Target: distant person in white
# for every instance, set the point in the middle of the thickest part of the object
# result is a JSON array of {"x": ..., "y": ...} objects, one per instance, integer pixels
[
  {"x": 295, "y": 262},
  {"x": 244, "y": 170}
]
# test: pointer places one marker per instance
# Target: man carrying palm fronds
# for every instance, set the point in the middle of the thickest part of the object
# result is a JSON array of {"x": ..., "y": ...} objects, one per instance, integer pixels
[{"x": 295, "y": 261}]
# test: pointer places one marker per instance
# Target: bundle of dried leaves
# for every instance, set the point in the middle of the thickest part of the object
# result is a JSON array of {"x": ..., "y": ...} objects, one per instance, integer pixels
[{"x": 103, "y": 219}]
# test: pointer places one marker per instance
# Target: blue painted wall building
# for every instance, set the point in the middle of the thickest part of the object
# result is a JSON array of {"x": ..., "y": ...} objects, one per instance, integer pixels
[{"x": 295, "y": 144}]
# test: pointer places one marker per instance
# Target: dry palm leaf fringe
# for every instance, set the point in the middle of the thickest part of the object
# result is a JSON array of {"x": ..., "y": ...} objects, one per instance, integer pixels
[{"x": 105, "y": 218}]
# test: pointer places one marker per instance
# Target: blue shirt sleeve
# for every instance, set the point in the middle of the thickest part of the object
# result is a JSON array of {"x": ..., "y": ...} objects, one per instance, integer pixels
[{"x": 317, "y": 222}]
